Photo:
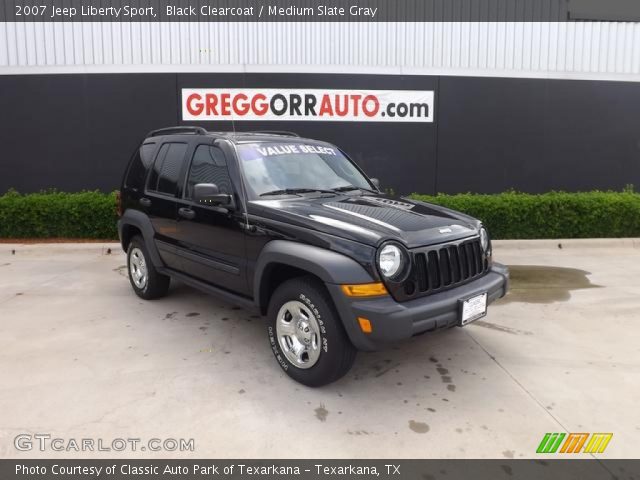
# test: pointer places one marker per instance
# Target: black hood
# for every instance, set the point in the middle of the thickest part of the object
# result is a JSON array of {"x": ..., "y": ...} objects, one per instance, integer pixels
[{"x": 371, "y": 219}]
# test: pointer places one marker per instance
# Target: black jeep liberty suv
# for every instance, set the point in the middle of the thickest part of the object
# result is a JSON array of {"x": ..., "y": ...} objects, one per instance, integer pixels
[{"x": 293, "y": 228}]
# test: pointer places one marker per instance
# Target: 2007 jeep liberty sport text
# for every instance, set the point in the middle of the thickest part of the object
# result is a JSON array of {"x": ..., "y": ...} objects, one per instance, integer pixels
[{"x": 293, "y": 228}]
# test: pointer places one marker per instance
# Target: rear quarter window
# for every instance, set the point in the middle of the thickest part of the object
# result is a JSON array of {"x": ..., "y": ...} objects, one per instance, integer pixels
[
  {"x": 140, "y": 163},
  {"x": 167, "y": 167}
]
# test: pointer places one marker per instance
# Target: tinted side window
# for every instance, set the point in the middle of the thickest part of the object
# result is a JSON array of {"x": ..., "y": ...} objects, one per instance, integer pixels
[
  {"x": 153, "y": 178},
  {"x": 139, "y": 165},
  {"x": 166, "y": 171},
  {"x": 208, "y": 166}
]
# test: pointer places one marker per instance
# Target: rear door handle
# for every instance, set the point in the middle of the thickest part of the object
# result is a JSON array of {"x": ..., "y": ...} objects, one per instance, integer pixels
[
  {"x": 187, "y": 213},
  {"x": 145, "y": 202}
]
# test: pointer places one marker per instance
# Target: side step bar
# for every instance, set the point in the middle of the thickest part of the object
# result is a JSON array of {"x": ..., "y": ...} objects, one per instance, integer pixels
[{"x": 232, "y": 298}]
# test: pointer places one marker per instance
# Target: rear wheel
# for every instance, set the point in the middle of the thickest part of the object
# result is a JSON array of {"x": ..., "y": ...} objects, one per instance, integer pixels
[
  {"x": 306, "y": 334},
  {"x": 144, "y": 278}
]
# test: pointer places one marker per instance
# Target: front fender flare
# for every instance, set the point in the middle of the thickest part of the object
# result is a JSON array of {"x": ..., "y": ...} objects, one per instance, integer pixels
[{"x": 327, "y": 265}]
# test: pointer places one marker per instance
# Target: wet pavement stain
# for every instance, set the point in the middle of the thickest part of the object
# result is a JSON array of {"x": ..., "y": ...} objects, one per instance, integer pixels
[
  {"x": 418, "y": 427},
  {"x": 507, "y": 469},
  {"x": 381, "y": 370},
  {"x": 321, "y": 413},
  {"x": 445, "y": 378},
  {"x": 508, "y": 453},
  {"x": 170, "y": 315},
  {"x": 541, "y": 284},
  {"x": 193, "y": 314},
  {"x": 122, "y": 270},
  {"x": 501, "y": 328}
]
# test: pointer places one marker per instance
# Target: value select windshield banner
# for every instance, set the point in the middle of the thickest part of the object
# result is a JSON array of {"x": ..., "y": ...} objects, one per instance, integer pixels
[{"x": 274, "y": 104}]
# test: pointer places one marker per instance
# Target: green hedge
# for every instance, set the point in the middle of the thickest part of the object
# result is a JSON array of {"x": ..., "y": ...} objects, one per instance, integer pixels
[
  {"x": 507, "y": 215},
  {"x": 58, "y": 215},
  {"x": 550, "y": 215}
]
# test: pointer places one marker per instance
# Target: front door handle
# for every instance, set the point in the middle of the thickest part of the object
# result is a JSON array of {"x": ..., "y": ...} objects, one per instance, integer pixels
[
  {"x": 145, "y": 202},
  {"x": 187, "y": 213}
]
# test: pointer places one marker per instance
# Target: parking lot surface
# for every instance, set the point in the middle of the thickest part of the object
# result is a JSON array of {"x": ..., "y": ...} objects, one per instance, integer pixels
[{"x": 82, "y": 357}]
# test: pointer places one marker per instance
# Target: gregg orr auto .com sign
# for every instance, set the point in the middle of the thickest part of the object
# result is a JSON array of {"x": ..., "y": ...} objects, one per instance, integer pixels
[{"x": 267, "y": 104}]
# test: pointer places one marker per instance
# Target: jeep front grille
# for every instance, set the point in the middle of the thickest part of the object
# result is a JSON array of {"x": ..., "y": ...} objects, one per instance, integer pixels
[{"x": 441, "y": 267}]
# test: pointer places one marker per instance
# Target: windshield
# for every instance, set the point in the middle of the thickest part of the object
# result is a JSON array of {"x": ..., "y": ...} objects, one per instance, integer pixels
[{"x": 289, "y": 168}]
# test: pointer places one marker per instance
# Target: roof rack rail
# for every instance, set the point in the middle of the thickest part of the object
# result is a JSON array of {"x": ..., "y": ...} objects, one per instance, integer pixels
[
  {"x": 182, "y": 129},
  {"x": 275, "y": 132}
]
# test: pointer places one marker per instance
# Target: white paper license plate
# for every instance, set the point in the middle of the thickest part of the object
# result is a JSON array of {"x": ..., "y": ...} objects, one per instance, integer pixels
[{"x": 473, "y": 308}]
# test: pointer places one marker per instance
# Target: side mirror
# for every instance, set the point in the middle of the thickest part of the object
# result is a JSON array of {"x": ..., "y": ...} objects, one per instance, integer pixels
[
  {"x": 208, "y": 194},
  {"x": 376, "y": 183}
]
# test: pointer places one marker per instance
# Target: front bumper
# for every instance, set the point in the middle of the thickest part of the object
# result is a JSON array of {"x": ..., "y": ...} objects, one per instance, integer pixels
[{"x": 392, "y": 321}]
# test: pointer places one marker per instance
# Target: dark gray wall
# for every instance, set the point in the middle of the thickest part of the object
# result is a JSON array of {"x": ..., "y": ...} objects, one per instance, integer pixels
[
  {"x": 496, "y": 134},
  {"x": 73, "y": 132}
]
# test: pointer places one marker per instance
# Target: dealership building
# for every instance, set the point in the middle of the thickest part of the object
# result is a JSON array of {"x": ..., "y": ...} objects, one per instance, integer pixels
[{"x": 473, "y": 102}]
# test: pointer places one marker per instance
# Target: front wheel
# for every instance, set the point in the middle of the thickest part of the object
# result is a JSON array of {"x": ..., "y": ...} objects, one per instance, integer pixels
[{"x": 306, "y": 335}]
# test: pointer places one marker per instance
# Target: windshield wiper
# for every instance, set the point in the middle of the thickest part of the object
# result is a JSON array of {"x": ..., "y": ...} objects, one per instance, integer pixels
[
  {"x": 348, "y": 188},
  {"x": 296, "y": 191}
]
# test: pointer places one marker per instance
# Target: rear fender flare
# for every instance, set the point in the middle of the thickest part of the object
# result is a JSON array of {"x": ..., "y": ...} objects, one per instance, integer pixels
[{"x": 139, "y": 220}]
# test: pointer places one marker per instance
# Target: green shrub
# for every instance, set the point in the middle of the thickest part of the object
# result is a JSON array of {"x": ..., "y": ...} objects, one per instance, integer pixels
[
  {"x": 58, "y": 215},
  {"x": 506, "y": 215},
  {"x": 550, "y": 215}
]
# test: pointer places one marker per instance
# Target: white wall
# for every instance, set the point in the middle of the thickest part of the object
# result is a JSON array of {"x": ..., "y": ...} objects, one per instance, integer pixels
[{"x": 594, "y": 50}]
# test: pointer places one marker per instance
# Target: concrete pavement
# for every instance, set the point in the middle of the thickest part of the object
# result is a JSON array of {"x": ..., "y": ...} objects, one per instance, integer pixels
[{"x": 83, "y": 357}]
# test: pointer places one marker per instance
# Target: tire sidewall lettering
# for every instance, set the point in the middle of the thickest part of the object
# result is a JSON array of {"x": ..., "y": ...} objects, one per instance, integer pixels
[
  {"x": 323, "y": 331},
  {"x": 276, "y": 350},
  {"x": 316, "y": 313}
]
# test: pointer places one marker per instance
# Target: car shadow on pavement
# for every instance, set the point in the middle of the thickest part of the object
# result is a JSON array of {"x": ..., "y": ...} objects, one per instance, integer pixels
[{"x": 434, "y": 359}]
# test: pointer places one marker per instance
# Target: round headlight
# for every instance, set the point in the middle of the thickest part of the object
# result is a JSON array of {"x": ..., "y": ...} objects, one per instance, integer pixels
[
  {"x": 484, "y": 240},
  {"x": 390, "y": 260}
]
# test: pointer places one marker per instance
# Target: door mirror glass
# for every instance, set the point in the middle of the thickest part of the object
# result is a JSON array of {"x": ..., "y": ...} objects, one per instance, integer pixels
[
  {"x": 376, "y": 183},
  {"x": 208, "y": 194}
]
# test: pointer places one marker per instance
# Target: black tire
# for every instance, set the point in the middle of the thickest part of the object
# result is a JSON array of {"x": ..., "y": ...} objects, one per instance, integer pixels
[
  {"x": 156, "y": 285},
  {"x": 336, "y": 353}
]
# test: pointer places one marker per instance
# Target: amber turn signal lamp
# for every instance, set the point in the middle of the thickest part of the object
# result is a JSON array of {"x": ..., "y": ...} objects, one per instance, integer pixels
[
  {"x": 364, "y": 290},
  {"x": 365, "y": 325}
]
